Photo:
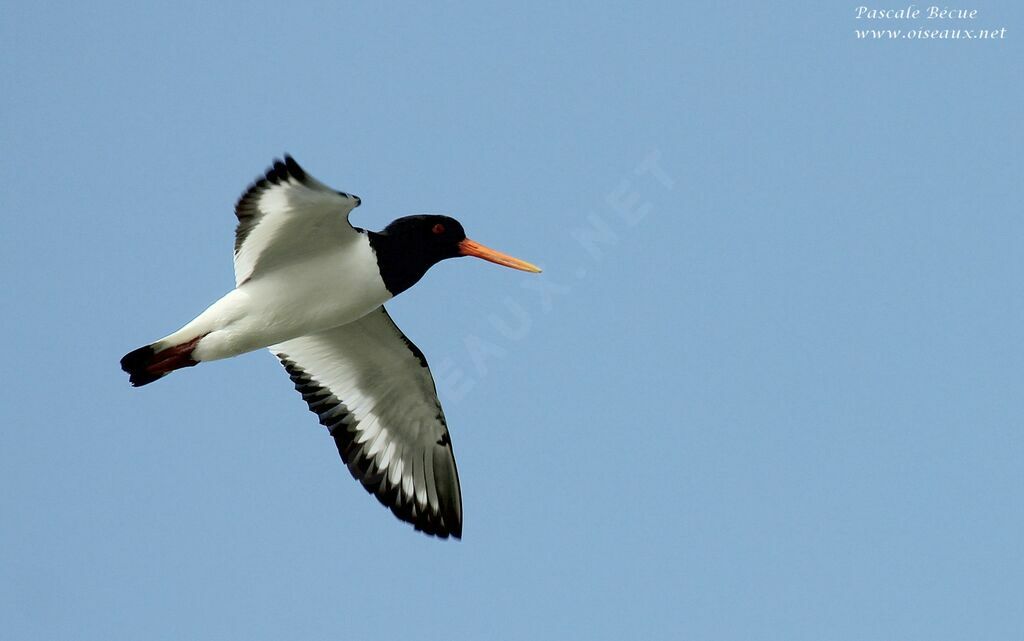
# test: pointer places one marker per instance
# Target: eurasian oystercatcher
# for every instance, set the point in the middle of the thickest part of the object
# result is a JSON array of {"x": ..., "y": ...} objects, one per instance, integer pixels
[{"x": 310, "y": 287}]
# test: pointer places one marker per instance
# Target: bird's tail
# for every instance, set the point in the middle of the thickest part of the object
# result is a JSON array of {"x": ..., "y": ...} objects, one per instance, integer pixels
[{"x": 147, "y": 364}]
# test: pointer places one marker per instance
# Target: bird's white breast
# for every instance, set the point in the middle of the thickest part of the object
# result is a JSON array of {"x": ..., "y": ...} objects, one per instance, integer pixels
[{"x": 306, "y": 295}]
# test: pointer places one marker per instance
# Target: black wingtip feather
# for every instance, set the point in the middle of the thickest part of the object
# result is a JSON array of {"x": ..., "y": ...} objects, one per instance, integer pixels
[
  {"x": 281, "y": 171},
  {"x": 294, "y": 169}
]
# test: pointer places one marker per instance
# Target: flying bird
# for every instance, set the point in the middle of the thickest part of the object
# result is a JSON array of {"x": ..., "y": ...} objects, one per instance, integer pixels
[{"x": 310, "y": 287}]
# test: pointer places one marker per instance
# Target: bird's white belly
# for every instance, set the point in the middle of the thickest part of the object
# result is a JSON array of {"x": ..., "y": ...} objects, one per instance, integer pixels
[{"x": 312, "y": 295}]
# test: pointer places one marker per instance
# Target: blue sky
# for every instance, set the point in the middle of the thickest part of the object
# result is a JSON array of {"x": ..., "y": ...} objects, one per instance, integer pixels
[{"x": 768, "y": 387}]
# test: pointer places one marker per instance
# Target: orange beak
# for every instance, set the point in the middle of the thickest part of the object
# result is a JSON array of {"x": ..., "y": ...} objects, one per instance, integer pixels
[{"x": 472, "y": 248}]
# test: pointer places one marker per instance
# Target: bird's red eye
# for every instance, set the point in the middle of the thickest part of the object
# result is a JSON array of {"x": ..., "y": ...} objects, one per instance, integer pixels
[{"x": 438, "y": 229}]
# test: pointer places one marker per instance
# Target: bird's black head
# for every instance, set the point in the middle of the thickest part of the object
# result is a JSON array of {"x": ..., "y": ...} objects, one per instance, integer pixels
[
  {"x": 411, "y": 245},
  {"x": 427, "y": 236}
]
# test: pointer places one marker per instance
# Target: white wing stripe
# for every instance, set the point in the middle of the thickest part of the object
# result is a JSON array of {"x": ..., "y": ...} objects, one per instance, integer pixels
[
  {"x": 419, "y": 482},
  {"x": 373, "y": 391},
  {"x": 285, "y": 215}
]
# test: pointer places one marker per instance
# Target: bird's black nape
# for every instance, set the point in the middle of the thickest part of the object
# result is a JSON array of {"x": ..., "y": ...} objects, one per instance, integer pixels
[{"x": 411, "y": 245}]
